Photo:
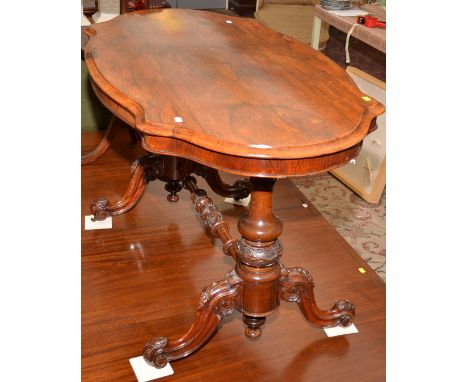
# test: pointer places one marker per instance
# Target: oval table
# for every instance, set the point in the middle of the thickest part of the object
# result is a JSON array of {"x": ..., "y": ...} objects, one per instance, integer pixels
[{"x": 208, "y": 92}]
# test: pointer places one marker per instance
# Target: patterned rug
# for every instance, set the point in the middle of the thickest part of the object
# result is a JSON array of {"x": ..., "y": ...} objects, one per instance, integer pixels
[{"x": 360, "y": 223}]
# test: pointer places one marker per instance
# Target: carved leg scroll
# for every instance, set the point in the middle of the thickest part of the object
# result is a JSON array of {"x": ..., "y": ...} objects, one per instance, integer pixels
[
  {"x": 297, "y": 286},
  {"x": 102, "y": 147},
  {"x": 239, "y": 190},
  {"x": 143, "y": 170},
  {"x": 216, "y": 301}
]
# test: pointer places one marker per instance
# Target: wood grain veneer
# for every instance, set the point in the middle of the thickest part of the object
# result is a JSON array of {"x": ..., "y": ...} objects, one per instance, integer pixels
[{"x": 240, "y": 88}]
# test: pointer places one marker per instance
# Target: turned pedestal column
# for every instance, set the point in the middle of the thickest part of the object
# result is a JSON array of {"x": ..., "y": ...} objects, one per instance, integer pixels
[{"x": 259, "y": 251}]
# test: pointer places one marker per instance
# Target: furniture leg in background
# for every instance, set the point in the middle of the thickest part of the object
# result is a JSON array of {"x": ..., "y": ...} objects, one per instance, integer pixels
[
  {"x": 171, "y": 170},
  {"x": 316, "y": 26},
  {"x": 105, "y": 142},
  {"x": 84, "y": 19},
  {"x": 375, "y": 37},
  {"x": 365, "y": 175},
  {"x": 294, "y": 18},
  {"x": 107, "y": 10}
]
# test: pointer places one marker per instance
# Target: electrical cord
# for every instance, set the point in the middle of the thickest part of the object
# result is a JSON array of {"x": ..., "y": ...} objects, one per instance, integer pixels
[{"x": 348, "y": 59}]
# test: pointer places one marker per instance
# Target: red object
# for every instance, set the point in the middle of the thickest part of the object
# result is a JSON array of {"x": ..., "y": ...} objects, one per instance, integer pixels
[
  {"x": 371, "y": 22},
  {"x": 140, "y": 4}
]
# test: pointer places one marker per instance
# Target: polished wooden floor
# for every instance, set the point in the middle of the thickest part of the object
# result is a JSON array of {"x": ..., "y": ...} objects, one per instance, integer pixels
[{"x": 144, "y": 276}]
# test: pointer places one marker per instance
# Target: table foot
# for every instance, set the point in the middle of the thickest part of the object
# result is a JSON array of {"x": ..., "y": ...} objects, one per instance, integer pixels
[
  {"x": 105, "y": 142},
  {"x": 173, "y": 187},
  {"x": 297, "y": 286},
  {"x": 239, "y": 190},
  {"x": 253, "y": 329},
  {"x": 216, "y": 301},
  {"x": 143, "y": 170}
]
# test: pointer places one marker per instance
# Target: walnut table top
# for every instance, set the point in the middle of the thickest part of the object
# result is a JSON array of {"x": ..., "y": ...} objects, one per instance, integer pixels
[{"x": 227, "y": 92}]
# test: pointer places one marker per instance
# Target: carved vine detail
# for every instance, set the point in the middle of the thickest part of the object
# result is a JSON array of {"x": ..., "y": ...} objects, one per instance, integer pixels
[
  {"x": 99, "y": 209},
  {"x": 151, "y": 165},
  {"x": 305, "y": 272},
  {"x": 294, "y": 291},
  {"x": 152, "y": 353},
  {"x": 211, "y": 216},
  {"x": 226, "y": 306},
  {"x": 259, "y": 256},
  {"x": 348, "y": 308},
  {"x": 208, "y": 211}
]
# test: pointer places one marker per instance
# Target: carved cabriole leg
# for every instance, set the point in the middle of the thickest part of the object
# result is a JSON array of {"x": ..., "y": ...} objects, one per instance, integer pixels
[
  {"x": 239, "y": 190},
  {"x": 216, "y": 301},
  {"x": 105, "y": 142},
  {"x": 143, "y": 170},
  {"x": 297, "y": 286}
]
